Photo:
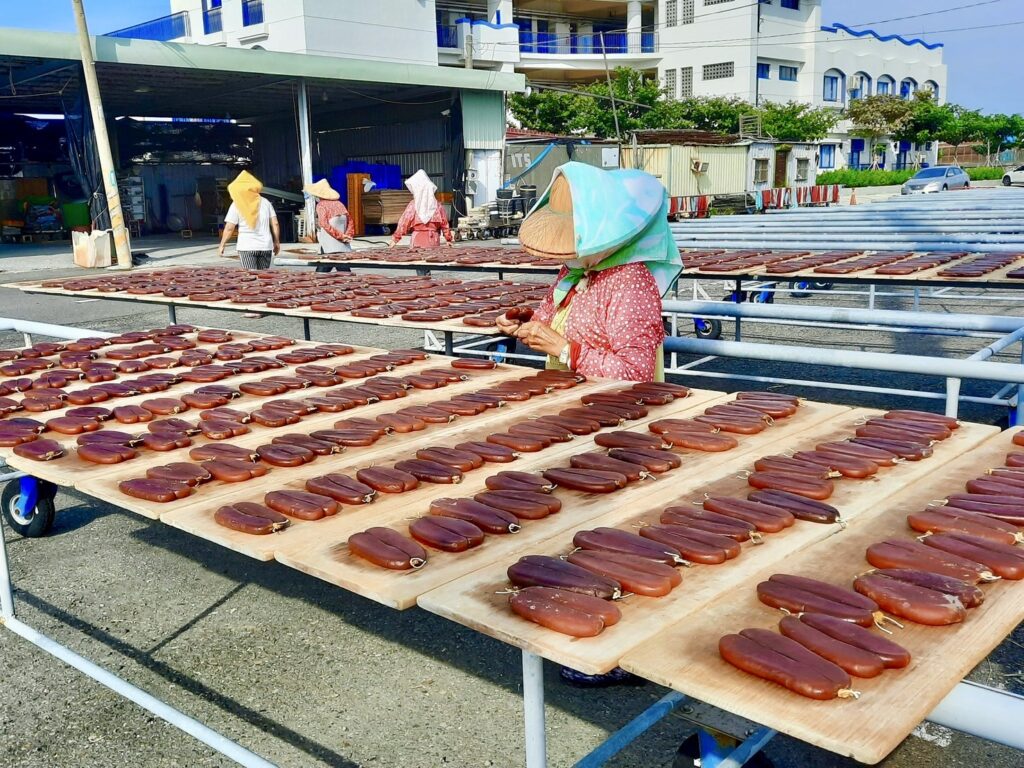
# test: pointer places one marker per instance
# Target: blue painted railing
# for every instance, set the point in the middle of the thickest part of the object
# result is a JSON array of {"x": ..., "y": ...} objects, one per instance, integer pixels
[
  {"x": 586, "y": 44},
  {"x": 163, "y": 29}
]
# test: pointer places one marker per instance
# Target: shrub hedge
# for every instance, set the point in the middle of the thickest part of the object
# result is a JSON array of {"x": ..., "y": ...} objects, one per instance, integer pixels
[{"x": 879, "y": 178}]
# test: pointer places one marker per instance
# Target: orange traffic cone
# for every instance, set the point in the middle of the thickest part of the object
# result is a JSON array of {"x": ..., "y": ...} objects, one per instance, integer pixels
[{"x": 853, "y": 197}]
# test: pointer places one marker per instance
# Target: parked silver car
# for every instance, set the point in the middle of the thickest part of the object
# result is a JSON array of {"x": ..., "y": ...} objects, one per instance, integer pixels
[{"x": 938, "y": 178}]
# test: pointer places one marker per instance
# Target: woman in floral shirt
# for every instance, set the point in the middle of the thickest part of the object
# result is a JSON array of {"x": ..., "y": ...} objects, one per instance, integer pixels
[
  {"x": 602, "y": 317},
  {"x": 424, "y": 216}
]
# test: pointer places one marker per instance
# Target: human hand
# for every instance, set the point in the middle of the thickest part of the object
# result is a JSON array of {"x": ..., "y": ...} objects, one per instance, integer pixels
[
  {"x": 450, "y": 243},
  {"x": 392, "y": 243},
  {"x": 277, "y": 248},
  {"x": 542, "y": 338},
  {"x": 506, "y": 326}
]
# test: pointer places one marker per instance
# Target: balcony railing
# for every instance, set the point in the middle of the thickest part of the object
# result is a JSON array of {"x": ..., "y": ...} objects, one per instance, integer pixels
[
  {"x": 447, "y": 37},
  {"x": 588, "y": 44},
  {"x": 252, "y": 12},
  {"x": 163, "y": 29},
  {"x": 212, "y": 21}
]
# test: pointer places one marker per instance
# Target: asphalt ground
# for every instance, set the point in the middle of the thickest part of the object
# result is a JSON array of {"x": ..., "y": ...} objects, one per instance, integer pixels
[{"x": 307, "y": 674}]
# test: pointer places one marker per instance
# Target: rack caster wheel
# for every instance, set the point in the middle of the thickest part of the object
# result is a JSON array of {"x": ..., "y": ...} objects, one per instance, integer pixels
[
  {"x": 799, "y": 288},
  {"x": 689, "y": 756},
  {"x": 707, "y": 329},
  {"x": 35, "y": 521}
]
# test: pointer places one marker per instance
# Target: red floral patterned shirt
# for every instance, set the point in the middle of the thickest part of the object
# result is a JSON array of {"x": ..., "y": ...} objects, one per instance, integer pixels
[{"x": 614, "y": 326}]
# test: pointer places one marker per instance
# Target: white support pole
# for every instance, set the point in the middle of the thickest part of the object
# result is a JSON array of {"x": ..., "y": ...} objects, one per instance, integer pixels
[
  {"x": 634, "y": 28},
  {"x": 533, "y": 707},
  {"x": 179, "y": 720},
  {"x": 306, "y": 155},
  {"x": 106, "y": 157},
  {"x": 6, "y": 593}
]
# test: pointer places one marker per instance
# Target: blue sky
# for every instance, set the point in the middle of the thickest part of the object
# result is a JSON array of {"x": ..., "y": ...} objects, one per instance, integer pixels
[
  {"x": 982, "y": 63},
  {"x": 972, "y": 56}
]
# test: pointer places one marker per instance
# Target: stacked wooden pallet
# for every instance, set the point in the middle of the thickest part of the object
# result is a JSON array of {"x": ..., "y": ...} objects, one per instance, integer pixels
[{"x": 385, "y": 206}]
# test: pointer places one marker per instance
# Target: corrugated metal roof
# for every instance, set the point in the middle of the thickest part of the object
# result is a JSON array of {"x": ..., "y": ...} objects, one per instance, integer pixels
[
  {"x": 55, "y": 45},
  {"x": 686, "y": 136}
]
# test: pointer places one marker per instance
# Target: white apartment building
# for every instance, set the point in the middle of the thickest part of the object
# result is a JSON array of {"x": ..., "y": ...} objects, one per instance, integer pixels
[{"x": 772, "y": 50}]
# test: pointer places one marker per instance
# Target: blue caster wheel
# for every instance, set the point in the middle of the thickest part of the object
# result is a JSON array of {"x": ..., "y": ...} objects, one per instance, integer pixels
[
  {"x": 707, "y": 329},
  {"x": 27, "y": 506}
]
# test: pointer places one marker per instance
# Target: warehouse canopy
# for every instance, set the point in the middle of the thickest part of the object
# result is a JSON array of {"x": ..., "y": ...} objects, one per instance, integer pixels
[{"x": 147, "y": 78}]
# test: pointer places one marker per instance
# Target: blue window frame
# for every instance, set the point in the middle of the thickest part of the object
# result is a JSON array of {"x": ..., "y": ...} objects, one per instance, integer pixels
[
  {"x": 787, "y": 73},
  {"x": 764, "y": 71},
  {"x": 793, "y": 5},
  {"x": 882, "y": 88},
  {"x": 827, "y": 156},
  {"x": 831, "y": 88}
]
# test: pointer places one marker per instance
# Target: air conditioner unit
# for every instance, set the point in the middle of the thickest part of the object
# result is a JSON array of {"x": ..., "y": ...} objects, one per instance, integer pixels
[{"x": 699, "y": 167}]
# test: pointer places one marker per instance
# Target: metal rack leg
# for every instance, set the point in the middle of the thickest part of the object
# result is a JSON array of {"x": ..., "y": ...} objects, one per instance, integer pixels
[
  {"x": 172, "y": 314},
  {"x": 714, "y": 755},
  {"x": 449, "y": 343},
  {"x": 179, "y": 720},
  {"x": 1019, "y": 415},
  {"x": 305, "y": 328},
  {"x": 630, "y": 732},
  {"x": 6, "y": 593},
  {"x": 533, "y": 707}
]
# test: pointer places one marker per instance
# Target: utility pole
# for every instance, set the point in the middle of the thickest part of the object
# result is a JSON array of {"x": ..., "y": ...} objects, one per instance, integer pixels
[
  {"x": 121, "y": 246},
  {"x": 469, "y": 49},
  {"x": 611, "y": 93}
]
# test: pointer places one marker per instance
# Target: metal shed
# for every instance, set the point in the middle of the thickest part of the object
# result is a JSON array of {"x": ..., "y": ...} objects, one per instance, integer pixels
[
  {"x": 441, "y": 118},
  {"x": 703, "y": 163}
]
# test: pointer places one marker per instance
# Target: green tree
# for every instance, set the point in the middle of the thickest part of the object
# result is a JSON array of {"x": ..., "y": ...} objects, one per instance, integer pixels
[
  {"x": 549, "y": 111},
  {"x": 963, "y": 125},
  {"x": 875, "y": 117},
  {"x": 927, "y": 119},
  {"x": 720, "y": 114},
  {"x": 997, "y": 132},
  {"x": 797, "y": 122},
  {"x": 639, "y": 104}
]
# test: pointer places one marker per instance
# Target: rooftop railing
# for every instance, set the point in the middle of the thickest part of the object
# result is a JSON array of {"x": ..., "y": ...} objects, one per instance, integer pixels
[{"x": 163, "y": 29}]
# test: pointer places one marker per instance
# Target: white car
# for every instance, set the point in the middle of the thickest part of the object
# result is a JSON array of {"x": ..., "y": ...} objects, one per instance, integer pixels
[
  {"x": 1016, "y": 176},
  {"x": 938, "y": 178}
]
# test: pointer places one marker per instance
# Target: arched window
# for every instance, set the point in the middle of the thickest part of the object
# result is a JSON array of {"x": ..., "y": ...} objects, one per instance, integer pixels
[
  {"x": 908, "y": 87},
  {"x": 860, "y": 85},
  {"x": 886, "y": 85},
  {"x": 931, "y": 85},
  {"x": 834, "y": 87}
]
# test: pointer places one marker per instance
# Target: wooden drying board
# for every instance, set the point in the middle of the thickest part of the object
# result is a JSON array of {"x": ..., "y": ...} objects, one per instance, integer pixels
[
  {"x": 322, "y": 553},
  {"x": 326, "y": 556},
  {"x": 196, "y": 518},
  {"x": 453, "y": 326},
  {"x": 446, "y": 266},
  {"x": 71, "y": 470},
  {"x": 104, "y": 484},
  {"x": 685, "y": 656},
  {"x": 184, "y": 387},
  {"x": 474, "y": 601},
  {"x": 925, "y": 276}
]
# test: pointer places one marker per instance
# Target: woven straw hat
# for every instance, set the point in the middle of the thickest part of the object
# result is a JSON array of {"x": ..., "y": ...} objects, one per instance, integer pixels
[
  {"x": 548, "y": 231},
  {"x": 322, "y": 190}
]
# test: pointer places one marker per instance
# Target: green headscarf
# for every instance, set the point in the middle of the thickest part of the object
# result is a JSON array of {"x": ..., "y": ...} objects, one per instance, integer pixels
[{"x": 619, "y": 217}]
